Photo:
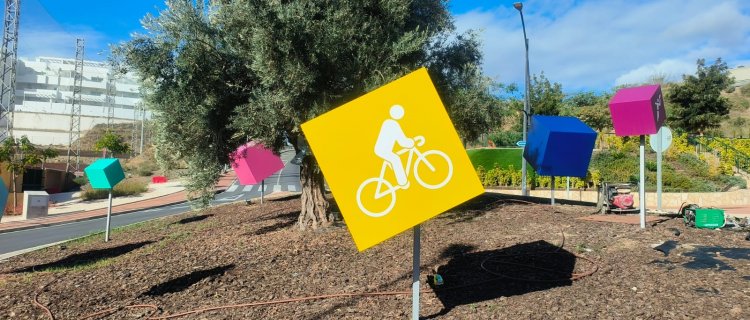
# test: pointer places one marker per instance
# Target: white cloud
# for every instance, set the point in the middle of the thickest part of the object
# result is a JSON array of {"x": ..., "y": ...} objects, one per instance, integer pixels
[
  {"x": 600, "y": 44},
  {"x": 39, "y": 34}
]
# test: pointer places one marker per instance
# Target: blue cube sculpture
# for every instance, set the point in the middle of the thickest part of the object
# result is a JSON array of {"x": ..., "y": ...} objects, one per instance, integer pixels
[
  {"x": 3, "y": 197},
  {"x": 559, "y": 146},
  {"x": 104, "y": 173}
]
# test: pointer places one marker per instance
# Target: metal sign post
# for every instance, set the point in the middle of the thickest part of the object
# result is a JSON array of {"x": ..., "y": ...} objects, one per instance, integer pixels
[
  {"x": 552, "y": 190},
  {"x": 262, "y": 190},
  {"x": 109, "y": 216},
  {"x": 659, "y": 143},
  {"x": 415, "y": 276},
  {"x": 659, "y": 148},
  {"x": 642, "y": 183},
  {"x": 567, "y": 189}
]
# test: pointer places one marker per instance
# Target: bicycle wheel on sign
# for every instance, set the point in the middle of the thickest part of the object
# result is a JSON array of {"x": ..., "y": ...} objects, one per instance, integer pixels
[
  {"x": 433, "y": 169},
  {"x": 376, "y": 197}
]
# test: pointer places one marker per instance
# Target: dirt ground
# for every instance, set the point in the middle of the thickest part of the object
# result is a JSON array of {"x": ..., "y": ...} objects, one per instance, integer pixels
[{"x": 497, "y": 259}]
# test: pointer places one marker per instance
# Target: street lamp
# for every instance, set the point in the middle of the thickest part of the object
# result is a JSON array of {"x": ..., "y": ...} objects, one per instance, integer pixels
[{"x": 526, "y": 104}]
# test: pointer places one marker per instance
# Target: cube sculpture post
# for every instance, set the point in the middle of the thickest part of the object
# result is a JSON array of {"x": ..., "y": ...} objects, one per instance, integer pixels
[
  {"x": 3, "y": 197},
  {"x": 638, "y": 111},
  {"x": 253, "y": 163},
  {"x": 105, "y": 174},
  {"x": 559, "y": 146}
]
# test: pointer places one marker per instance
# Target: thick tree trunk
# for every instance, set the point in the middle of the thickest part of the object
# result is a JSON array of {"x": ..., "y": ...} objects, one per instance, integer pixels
[{"x": 314, "y": 212}]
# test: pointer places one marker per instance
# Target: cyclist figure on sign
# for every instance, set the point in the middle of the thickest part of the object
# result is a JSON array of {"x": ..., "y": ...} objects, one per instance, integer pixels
[{"x": 390, "y": 134}]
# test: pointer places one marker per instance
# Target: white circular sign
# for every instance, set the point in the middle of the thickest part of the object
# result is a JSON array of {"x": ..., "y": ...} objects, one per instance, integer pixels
[{"x": 666, "y": 139}]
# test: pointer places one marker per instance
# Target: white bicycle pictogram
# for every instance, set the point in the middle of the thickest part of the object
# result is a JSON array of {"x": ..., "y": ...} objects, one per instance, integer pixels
[{"x": 385, "y": 188}]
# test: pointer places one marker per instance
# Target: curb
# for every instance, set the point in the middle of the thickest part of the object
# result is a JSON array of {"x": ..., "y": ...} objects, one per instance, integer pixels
[{"x": 42, "y": 225}]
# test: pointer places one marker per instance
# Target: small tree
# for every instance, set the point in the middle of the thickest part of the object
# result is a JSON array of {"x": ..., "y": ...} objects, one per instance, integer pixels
[
  {"x": 697, "y": 104},
  {"x": 546, "y": 98},
  {"x": 112, "y": 143},
  {"x": 18, "y": 154}
]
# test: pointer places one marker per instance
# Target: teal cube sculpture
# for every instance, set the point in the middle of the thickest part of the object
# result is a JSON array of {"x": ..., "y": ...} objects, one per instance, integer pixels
[{"x": 104, "y": 173}]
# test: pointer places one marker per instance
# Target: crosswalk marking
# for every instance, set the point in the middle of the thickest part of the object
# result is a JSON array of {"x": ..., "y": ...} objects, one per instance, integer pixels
[
  {"x": 248, "y": 188},
  {"x": 276, "y": 188},
  {"x": 292, "y": 188},
  {"x": 233, "y": 187}
]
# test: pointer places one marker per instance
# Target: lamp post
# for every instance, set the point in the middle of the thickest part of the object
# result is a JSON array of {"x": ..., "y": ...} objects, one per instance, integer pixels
[{"x": 526, "y": 104}]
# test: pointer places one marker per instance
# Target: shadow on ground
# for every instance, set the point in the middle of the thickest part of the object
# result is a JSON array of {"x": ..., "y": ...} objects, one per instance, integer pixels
[
  {"x": 85, "y": 258},
  {"x": 707, "y": 257},
  {"x": 277, "y": 226},
  {"x": 194, "y": 219},
  {"x": 184, "y": 282},
  {"x": 472, "y": 277}
]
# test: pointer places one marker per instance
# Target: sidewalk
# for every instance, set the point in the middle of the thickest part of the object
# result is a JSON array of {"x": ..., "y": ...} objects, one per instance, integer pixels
[{"x": 72, "y": 212}]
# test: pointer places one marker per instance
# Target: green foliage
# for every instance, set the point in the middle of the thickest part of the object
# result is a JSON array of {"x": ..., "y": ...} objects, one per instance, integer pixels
[
  {"x": 128, "y": 187},
  {"x": 697, "y": 104},
  {"x": 81, "y": 181},
  {"x": 113, "y": 143},
  {"x": 546, "y": 98},
  {"x": 739, "y": 126},
  {"x": 19, "y": 154},
  {"x": 505, "y": 138},
  {"x": 597, "y": 117},
  {"x": 258, "y": 69}
]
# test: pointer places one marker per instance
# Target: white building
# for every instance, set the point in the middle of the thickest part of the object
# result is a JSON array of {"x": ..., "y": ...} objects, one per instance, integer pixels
[
  {"x": 741, "y": 75},
  {"x": 44, "y": 93}
]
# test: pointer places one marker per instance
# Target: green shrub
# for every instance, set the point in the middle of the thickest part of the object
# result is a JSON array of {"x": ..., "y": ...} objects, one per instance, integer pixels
[
  {"x": 481, "y": 173},
  {"x": 491, "y": 178},
  {"x": 81, "y": 181},
  {"x": 127, "y": 187},
  {"x": 734, "y": 181},
  {"x": 505, "y": 138},
  {"x": 145, "y": 171}
]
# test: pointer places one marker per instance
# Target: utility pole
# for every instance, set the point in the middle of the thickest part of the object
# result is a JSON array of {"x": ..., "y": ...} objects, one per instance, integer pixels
[
  {"x": 74, "y": 142},
  {"x": 526, "y": 103},
  {"x": 143, "y": 125},
  {"x": 9, "y": 59},
  {"x": 111, "y": 93},
  {"x": 134, "y": 132}
]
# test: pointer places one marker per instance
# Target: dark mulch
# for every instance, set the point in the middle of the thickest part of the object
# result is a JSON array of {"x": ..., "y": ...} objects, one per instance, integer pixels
[{"x": 498, "y": 260}]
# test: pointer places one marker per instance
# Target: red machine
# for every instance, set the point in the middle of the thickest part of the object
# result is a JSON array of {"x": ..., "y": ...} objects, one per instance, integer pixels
[{"x": 616, "y": 198}]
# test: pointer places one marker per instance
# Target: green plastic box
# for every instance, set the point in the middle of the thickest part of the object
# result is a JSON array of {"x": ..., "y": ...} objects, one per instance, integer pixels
[
  {"x": 709, "y": 218},
  {"x": 104, "y": 173}
]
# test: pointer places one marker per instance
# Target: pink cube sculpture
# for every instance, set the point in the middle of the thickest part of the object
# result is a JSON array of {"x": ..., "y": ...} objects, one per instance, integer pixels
[
  {"x": 253, "y": 162},
  {"x": 637, "y": 111}
]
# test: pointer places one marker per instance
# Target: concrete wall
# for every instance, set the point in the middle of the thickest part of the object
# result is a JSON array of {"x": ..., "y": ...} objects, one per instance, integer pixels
[{"x": 670, "y": 200}]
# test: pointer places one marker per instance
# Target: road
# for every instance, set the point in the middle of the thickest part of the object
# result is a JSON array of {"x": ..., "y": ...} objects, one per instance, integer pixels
[{"x": 15, "y": 242}]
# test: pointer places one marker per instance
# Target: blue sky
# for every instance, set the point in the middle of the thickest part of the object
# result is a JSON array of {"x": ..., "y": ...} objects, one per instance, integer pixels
[{"x": 584, "y": 45}]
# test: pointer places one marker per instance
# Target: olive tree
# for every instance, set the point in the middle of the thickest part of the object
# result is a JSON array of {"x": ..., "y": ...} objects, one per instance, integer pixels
[{"x": 219, "y": 73}]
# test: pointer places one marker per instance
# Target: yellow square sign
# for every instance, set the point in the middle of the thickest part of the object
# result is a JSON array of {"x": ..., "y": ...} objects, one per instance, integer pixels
[{"x": 392, "y": 159}]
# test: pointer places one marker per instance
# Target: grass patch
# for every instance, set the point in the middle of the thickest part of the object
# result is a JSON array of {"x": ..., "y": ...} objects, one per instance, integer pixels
[
  {"x": 488, "y": 158},
  {"x": 127, "y": 187}
]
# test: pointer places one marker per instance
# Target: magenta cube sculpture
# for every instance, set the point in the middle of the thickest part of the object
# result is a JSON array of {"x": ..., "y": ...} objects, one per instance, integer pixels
[
  {"x": 253, "y": 162},
  {"x": 637, "y": 111}
]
